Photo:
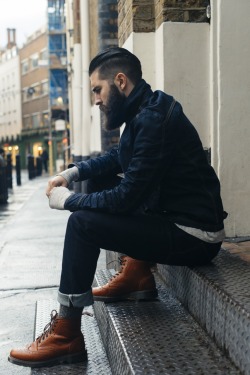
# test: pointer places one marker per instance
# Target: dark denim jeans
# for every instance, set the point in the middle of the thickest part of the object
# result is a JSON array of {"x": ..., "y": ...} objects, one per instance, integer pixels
[{"x": 147, "y": 237}]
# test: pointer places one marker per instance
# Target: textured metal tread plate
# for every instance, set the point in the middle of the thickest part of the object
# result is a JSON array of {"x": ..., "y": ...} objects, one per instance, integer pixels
[
  {"x": 97, "y": 363},
  {"x": 218, "y": 296},
  {"x": 156, "y": 337}
]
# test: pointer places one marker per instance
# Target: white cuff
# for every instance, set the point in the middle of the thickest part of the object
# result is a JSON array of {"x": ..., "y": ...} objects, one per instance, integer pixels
[
  {"x": 70, "y": 175},
  {"x": 58, "y": 196}
]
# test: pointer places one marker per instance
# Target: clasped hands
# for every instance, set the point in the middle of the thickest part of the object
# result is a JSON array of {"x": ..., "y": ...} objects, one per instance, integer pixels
[{"x": 57, "y": 192}]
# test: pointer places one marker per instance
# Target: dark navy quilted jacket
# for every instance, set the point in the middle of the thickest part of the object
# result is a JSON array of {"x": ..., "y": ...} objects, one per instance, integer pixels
[{"x": 165, "y": 168}]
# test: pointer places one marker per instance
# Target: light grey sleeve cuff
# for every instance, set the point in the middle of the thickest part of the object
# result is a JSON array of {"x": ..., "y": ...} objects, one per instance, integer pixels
[
  {"x": 76, "y": 300},
  {"x": 70, "y": 175}
]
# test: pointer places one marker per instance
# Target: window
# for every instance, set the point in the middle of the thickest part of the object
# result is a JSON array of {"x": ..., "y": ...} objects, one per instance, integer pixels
[
  {"x": 24, "y": 96},
  {"x": 44, "y": 55},
  {"x": 26, "y": 122},
  {"x": 35, "y": 120},
  {"x": 24, "y": 66},
  {"x": 58, "y": 86},
  {"x": 34, "y": 61},
  {"x": 13, "y": 79},
  {"x": 44, "y": 88},
  {"x": 45, "y": 119}
]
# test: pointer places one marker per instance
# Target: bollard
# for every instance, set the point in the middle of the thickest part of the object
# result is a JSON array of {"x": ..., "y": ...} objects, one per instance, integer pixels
[
  {"x": 9, "y": 171},
  {"x": 3, "y": 185},
  {"x": 18, "y": 171},
  {"x": 31, "y": 167},
  {"x": 39, "y": 166}
]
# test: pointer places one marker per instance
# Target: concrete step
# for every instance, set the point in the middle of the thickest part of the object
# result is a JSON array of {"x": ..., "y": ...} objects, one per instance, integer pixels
[
  {"x": 156, "y": 337},
  {"x": 218, "y": 297},
  {"x": 97, "y": 363}
]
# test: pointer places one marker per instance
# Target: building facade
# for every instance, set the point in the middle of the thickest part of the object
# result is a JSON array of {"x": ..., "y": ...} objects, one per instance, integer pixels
[
  {"x": 35, "y": 99},
  {"x": 59, "y": 137},
  {"x": 44, "y": 85},
  {"x": 10, "y": 98}
]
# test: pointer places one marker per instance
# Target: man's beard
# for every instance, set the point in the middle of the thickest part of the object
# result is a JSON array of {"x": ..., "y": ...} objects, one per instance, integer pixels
[{"x": 114, "y": 111}]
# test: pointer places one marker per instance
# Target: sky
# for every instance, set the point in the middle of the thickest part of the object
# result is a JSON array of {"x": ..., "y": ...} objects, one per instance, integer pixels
[{"x": 26, "y": 16}]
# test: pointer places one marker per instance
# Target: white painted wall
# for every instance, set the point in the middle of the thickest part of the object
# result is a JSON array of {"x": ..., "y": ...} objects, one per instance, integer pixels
[
  {"x": 10, "y": 94},
  {"x": 95, "y": 130},
  {"x": 230, "y": 87},
  {"x": 143, "y": 46},
  {"x": 86, "y": 102},
  {"x": 175, "y": 59},
  {"x": 77, "y": 92},
  {"x": 182, "y": 70},
  {"x": 70, "y": 45}
]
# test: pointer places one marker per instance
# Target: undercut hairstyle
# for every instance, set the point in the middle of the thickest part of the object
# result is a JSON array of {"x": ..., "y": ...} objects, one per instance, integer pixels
[{"x": 116, "y": 60}]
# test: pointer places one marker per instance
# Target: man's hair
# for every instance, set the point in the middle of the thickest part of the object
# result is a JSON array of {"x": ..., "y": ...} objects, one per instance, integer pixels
[{"x": 116, "y": 60}]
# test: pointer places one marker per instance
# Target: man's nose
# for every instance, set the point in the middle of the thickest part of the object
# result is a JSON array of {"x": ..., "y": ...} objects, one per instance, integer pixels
[{"x": 98, "y": 100}]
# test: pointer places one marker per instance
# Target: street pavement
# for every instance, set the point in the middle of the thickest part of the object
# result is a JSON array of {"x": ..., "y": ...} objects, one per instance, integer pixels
[{"x": 31, "y": 244}]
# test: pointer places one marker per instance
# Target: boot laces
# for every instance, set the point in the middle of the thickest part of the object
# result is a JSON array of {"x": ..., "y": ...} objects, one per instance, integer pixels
[
  {"x": 122, "y": 261},
  {"x": 49, "y": 328}
]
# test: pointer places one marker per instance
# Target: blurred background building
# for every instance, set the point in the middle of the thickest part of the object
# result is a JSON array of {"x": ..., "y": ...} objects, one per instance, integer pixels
[
  {"x": 10, "y": 96},
  {"x": 35, "y": 89},
  {"x": 58, "y": 85}
]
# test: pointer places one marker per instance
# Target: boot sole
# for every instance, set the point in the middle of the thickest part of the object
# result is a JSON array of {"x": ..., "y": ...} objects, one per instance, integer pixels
[
  {"x": 66, "y": 359},
  {"x": 144, "y": 295}
]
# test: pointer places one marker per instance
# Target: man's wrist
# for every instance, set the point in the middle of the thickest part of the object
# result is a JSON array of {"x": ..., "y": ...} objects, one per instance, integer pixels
[
  {"x": 70, "y": 175},
  {"x": 58, "y": 197}
]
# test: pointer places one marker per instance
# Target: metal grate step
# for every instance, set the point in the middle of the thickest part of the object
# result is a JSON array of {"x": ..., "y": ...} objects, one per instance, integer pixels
[
  {"x": 156, "y": 337},
  {"x": 217, "y": 295},
  {"x": 97, "y": 363}
]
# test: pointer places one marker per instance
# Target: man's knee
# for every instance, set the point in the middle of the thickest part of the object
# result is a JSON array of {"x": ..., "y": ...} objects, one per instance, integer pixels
[{"x": 77, "y": 219}]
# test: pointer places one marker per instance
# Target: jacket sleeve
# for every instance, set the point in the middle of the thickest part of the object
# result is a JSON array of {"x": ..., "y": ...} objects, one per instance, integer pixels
[
  {"x": 152, "y": 153},
  {"x": 107, "y": 163}
]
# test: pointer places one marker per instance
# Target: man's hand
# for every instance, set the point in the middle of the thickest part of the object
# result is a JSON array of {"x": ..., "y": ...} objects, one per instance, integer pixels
[
  {"x": 63, "y": 178},
  {"x": 58, "y": 196},
  {"x": 56, "y": 182}
]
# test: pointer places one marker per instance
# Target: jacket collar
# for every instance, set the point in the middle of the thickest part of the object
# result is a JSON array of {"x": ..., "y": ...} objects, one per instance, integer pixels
[{"x": 136, "y": 98}]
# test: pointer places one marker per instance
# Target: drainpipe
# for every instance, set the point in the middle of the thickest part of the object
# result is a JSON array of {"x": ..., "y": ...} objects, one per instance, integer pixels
[
  {"x": 86, "y": 103},
  {"x": 69, "y": 38},
  {"x": 77, "y": 89}
]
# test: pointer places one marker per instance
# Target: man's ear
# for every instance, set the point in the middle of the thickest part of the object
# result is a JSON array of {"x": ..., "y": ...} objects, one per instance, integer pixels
[{"x": 121, "y": 81}]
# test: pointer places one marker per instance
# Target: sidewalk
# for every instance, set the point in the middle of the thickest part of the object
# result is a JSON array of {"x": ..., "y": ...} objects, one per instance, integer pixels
[{"x": 31, "y": 245}]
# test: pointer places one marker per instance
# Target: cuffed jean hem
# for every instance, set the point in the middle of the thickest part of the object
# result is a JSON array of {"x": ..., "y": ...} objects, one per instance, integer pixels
[{"x": 76, "y": 300}]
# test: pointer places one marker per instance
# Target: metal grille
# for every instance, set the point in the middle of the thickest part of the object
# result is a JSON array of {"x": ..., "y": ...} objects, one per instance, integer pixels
[
  {"x": 218, "y": 297},
  {"x": 156, "y": 337},
  {"x": 97, "y": 363}
]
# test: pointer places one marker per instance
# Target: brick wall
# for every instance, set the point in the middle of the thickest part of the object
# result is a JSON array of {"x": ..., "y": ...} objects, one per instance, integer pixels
[
  {"x": 93, "y": 17},
  {"x": 147, "y": 15},
  {"x": 135, "y": 15},
  {"x": 180, "y": 11},
  {"x": 107, "y": 11}
]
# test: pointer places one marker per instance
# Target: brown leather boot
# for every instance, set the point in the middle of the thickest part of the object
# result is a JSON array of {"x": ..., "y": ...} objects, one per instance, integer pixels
[
  {"x": 61, "y": 342},
  {"x": 134, "y": 281}
]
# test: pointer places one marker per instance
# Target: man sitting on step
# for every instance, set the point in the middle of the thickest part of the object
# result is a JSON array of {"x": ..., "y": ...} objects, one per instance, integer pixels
[{"x": 166, "y": 209}]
